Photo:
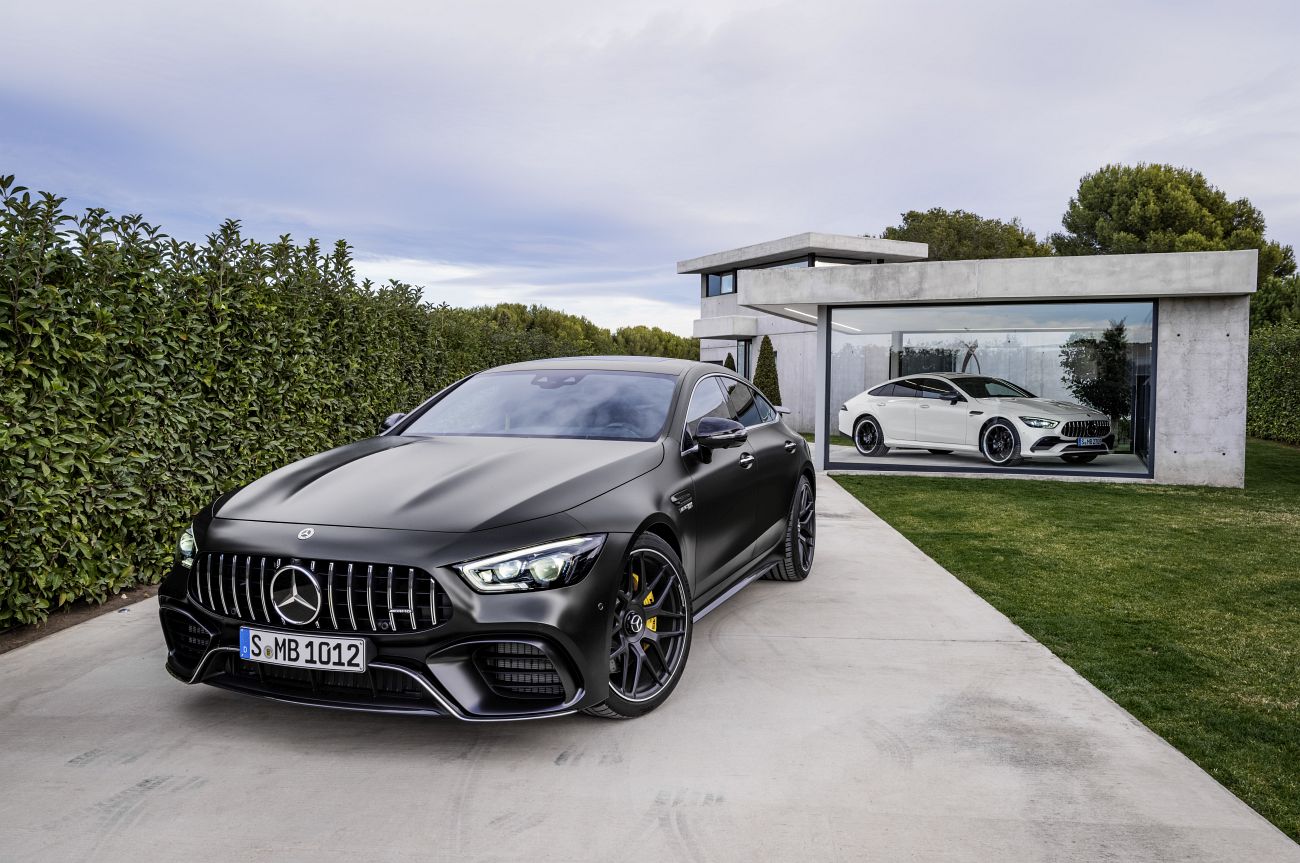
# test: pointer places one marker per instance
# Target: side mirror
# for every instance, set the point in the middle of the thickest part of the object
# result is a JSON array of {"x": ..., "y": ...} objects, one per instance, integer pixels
[
  {"x": 719, "y": 433},
  {"x": 393, "y": 419},
  {"x": 953, "y": 398},
  {"x": 780, "y": 410}
]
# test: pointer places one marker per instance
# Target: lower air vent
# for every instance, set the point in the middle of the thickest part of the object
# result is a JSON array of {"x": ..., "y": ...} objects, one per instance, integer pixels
[
  {"x": 187, "y": 640},
  {"x": 515, "y": 670}
]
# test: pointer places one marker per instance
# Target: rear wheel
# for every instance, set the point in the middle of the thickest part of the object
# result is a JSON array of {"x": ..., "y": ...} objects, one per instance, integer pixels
[
  {"x": 800, "y": 535},
  {"x": 1079, "y": 457},
  {"x": 1001, "y": 444},
  {"x": 650, "y": 631},
  {"x": 868, "y": 437}
]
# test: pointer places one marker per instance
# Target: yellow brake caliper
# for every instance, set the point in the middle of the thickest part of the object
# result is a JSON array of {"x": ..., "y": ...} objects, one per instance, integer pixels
[{"x": 651, "y": 623}]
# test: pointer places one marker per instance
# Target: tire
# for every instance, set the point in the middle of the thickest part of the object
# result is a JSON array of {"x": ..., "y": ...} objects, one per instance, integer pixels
[
  {"x": 1079, "y": 457},
  {"x": 800, "y": 535},
  {"x": 653, "y": 579},
  {"x": 868, "y": 437},
  {"x": 1000, "y": 444},
  {"x": 939, "y": 451}
]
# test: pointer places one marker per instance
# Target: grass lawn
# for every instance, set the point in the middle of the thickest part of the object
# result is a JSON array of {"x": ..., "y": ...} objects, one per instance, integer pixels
[{"x": 1182, "y": 604}]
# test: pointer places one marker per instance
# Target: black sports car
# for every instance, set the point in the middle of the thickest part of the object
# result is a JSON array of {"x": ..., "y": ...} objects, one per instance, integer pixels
[{"x": 534, "y": 540}]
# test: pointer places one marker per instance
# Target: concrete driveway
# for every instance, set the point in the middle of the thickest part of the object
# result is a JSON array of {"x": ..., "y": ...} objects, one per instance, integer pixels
[{"x": 879, "y": 711}]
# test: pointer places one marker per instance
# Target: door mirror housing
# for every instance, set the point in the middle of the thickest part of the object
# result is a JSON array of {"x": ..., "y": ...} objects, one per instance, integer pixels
[
  {"x": 717, "y": 433},
  {"x": 953, "y": 398},
  {"x": 392, "y": 420}
]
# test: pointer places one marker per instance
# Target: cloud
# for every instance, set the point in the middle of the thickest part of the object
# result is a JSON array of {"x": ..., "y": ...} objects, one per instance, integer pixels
[{"x": 575, "y": 151}]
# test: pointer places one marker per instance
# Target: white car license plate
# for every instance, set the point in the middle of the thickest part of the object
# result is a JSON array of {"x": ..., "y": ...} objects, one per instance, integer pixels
[
  {"x": 1090, "y": 441},
  {"x": 302, "y": 651}
]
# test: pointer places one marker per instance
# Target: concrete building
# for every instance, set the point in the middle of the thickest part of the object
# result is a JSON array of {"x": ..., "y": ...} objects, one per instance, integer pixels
[{"x": 1157, "y": 341}]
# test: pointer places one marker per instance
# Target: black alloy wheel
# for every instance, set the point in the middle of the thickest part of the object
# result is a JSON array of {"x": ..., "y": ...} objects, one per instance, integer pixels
[
  {"x": 868, "y": 438},
  {"x": 650, "y": 630},
  {"x": 800, "y": 535},
  {"x": 1079, "y": 457},
  {"x": 1001, "y": 444}
]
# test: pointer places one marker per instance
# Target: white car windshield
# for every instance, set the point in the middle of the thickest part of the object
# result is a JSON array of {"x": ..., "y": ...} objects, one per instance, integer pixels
[
  {"x": 993, "y": 388},
  {"x": 564, "y": 403}
]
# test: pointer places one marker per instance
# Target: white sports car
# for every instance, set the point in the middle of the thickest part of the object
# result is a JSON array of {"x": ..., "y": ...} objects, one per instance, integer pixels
[{"x": 945, "y": 413}]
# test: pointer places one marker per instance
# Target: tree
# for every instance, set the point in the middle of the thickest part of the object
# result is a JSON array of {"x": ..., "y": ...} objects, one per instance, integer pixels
[
  {"x": 956, "y": 235},
  {"x": 729, "y": 362},
  {"x": 1277, "y": 302},
  {"x": 765, "y": 377},
  {"x": 1124, "y": 209},
  {"x": 1098, "y": 371}
]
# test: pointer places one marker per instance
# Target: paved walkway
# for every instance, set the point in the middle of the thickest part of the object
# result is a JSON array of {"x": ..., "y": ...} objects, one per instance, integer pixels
[{"x": 879, "y": 711}]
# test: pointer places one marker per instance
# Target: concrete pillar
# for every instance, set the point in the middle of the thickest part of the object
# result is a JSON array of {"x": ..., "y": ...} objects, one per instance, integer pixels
[{"x": 821, "y": 429}]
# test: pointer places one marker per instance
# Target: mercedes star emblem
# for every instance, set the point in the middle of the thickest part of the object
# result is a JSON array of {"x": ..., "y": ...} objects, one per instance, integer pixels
[
  {"x": 296, "y": 594},
  {"x": 306, "y": 533}
]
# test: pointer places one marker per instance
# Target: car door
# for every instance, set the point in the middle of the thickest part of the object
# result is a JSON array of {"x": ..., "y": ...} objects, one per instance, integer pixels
[
  {"x": 897, "y": 412},
  {"x": 776, "y": 458},
  {"x": 723, "y": 492},
  {"x": 938, "y": 419}
]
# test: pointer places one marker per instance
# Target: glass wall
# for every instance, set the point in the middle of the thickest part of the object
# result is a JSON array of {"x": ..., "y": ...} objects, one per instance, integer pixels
[{"x": 1019, "y": 387}]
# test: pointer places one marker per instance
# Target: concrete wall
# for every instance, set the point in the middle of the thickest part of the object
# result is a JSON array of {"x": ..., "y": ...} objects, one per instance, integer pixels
[
  {"x": 794, "y": 344},
  {"x": 1201, "y": 355}
]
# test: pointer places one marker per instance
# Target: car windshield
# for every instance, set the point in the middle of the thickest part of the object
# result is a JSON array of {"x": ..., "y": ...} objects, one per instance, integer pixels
[
  {"x": 566, "y": 403},
  {"x": 993, "y": 388}
]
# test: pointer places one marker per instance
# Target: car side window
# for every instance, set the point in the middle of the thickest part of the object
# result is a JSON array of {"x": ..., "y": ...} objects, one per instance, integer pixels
[
  {"x": 708, "y": 400},
  {"x": 765, "y": 409},
  {"x": 907, "y": 389},
  {"x": 882, "y": 391},
  {"x": 933, "y": 389},
  {"x": 743, "y": 401}
]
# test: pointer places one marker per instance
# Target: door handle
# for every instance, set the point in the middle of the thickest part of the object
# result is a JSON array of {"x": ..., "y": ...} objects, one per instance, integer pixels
[
  {"x": 746, "y": 460},
  {"x": 790, "y": 446},
  {"x": 925, "y": 407}
]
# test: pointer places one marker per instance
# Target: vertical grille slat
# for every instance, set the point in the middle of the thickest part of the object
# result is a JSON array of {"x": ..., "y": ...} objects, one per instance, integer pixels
[
  {"x": 261, "y": 580},
  {"x": 410, "y": 596},
  {"x": 221, "y": 583},
  {"x": 370, "y": 595},
  {"x": 392, "y": 619},
  {"x": 329, "y": 591},
  {"x": 369, "y": 602}
]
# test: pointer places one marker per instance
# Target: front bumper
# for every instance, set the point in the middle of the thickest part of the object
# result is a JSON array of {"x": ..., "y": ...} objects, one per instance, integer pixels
[
  {"x": 1047, "y": 443},
  {"x": 485, "y": 657}
]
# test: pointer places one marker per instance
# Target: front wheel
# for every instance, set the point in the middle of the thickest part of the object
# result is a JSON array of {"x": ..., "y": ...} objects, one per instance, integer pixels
[
  {"x": 800, "y": 535},
  {"x": 650, "y": 630},
  {"x": 1001, "y": 444}
]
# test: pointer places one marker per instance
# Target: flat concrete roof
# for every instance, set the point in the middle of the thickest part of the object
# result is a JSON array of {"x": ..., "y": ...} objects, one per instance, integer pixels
[
  {"x": 830, "y": 245},
  {"x": 795, "y": 294}
]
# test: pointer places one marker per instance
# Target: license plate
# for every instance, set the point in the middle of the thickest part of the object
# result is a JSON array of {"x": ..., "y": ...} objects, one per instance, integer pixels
[
  {"x": 1090, "y": 441},
  {"x": 302, "y": 651}
]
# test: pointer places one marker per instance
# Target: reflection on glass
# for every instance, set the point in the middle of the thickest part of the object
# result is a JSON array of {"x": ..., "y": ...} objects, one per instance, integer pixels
[{"x": 1095, "y": 355}]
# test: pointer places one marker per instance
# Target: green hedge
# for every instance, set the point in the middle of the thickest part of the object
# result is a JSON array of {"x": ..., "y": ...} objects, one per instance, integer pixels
[
  {"x": 1273, "y": 387},
  {"x": 141, "y": 375}
]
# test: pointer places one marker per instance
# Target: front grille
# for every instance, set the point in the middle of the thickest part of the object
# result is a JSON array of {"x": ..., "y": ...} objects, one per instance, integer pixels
[
  {"x": 375, "y": 685},
  {"x": 357, "y": 597},
  {"x": 188, "y": 641},
  {"x": 515, "y": 670},
  {"x": 1086, "y": 428}
]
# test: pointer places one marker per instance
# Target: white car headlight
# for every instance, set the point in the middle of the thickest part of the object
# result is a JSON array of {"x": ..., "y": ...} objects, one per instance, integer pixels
[
  {"x": 1039, "y": 422},
  {"x": 186, "y": 548},
  {"x": 553, "y": 564}
]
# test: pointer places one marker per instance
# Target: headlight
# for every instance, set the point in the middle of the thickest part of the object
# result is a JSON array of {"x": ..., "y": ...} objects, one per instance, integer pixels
[
  {"x": 186, "y": 548},
  {"x": 1039, "y": 423},
  {"x": 554, "y": 564},
  {"x": 844, "y": 407}
]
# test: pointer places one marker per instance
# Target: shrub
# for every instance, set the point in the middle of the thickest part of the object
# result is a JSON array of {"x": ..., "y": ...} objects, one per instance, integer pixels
[
  {"x": 765, "y": 377},
  {"x": 1273, "y": 385},
  {"x": 140, "y": 376}
]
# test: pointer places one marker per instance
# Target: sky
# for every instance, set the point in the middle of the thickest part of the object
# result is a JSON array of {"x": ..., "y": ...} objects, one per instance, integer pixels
[{"x": 570, "y": 153}]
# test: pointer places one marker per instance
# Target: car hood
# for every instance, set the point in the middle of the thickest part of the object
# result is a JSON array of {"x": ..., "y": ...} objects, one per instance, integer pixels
[
  {"x": 450, "y": 484},
  {"x": 1051, "y": 408}
]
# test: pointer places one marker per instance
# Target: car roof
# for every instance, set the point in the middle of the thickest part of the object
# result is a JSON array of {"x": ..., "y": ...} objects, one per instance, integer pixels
[{"x": 658, "y": 365}]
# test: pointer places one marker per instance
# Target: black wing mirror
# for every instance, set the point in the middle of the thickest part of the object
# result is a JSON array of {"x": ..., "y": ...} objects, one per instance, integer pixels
[
  {"x": 719, "y": 433},
  {"x": 953, "y": 398},
  {"x": 393, "y": 419}
]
